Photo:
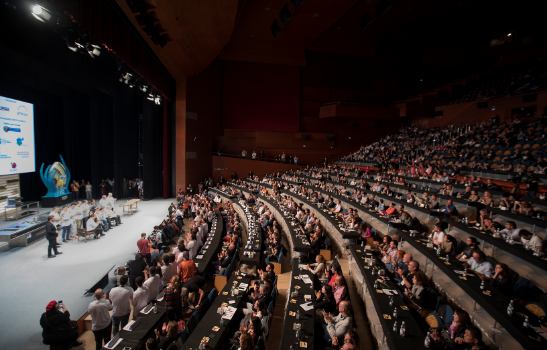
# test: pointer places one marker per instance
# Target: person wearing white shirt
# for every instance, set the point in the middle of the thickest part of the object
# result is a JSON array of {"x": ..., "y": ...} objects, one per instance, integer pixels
[
  {"x": 112, "y": 215},
  {"x": 101, "y": 324},
  {"x": 168, "y": 269},
  {"x": 510, "y": 231},
  {"x": 66, "y": 223},
  {"x": 103, "y": 202},
  {"x": 437, "y": 236},
  {"x": 100, "y": 213},
  {"x": 338, "y": 325},
  {"x": 479, "y": 264},
  {"x": 531, "y": 241},
  {"x": 140, "y": 297},
  {"x": 121, "y": 298},
  {"x": 55, "y": 213},
  {"x": 92, "y": 226},
  {"x": 153, "y": 284},
  {"x": 111, "y": 200}
]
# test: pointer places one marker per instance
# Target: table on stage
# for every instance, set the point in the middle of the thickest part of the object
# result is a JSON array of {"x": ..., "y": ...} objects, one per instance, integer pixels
[{"x": 130, "y": 206}]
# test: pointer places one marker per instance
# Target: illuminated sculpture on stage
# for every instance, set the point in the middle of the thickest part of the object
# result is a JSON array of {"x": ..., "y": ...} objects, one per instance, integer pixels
[{"x": 56, "y": 178}]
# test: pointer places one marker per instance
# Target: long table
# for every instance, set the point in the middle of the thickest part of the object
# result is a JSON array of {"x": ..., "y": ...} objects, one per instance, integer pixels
[
  {"x": 208, "y": 252},
  {"x": 530, "y": 266},
  {"x": 214, "y": 329},
  {"x": 532, "y": 223},
  {"x": 379, "y": 310},
  {"x": 296, "y": 318},
  {"x": 252, "y": 249},
  {"x": 495, "y": 302},
  {"x": 142, "y": 327},
  {"x": 299, "y": 243},
  {"x": 516, "y": 336}
]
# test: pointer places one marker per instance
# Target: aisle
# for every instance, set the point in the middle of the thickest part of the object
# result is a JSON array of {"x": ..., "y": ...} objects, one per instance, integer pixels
[{"x": 30, "y": 279}]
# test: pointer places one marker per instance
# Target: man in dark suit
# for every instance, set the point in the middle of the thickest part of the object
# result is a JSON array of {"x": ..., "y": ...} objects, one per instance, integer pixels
[{"x": 51, "y": 236}]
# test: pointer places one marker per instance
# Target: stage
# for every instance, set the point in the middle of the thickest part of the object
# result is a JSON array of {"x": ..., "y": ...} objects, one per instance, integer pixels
[{"x": 30, "y": 279}]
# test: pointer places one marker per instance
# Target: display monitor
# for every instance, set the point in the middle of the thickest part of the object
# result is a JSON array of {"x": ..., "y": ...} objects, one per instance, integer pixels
[{"x": 16, "y": 137}]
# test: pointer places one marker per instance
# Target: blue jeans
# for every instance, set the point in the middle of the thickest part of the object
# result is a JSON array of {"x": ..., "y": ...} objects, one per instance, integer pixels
[{"x": 65, "y": 232}]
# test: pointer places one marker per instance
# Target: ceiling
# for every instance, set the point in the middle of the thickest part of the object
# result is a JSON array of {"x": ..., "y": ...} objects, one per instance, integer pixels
[
  {"x": 196, "y": 31},
  {"x": 402, "y": 39}
]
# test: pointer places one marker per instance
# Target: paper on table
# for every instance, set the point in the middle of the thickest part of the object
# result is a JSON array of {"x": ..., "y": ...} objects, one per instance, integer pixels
[
  {"x": 113, "y": 343},
  {"x": 306, "y": 279},
  {"x": 230, "y": 312},
  {"x": 147, "y": 309},
  {"x": 307, "y": 306},
  {"x": 128, "y": 326}
]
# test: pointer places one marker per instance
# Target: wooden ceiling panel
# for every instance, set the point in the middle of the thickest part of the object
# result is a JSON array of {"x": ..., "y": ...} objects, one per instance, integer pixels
[{"x": 199, "y": 31}]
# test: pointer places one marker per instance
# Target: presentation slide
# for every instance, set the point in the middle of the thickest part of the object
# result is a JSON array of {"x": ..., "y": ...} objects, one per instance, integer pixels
[{"x": 16, "y": 137}]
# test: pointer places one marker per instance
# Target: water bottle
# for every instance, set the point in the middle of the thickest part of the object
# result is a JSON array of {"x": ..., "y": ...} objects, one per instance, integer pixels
[
  {"x": 395, "y": 313},
  {"x": 375, "y": 284},
  {"x": 402, "y": 330},
  {"x": 510, "y": 308},
  {"x": 395, "y": 326},
  {"x": 298, "y": 315},
  {"x": 482, "y": 285},
  {"x": 427, "y": 341},
  {"x": 390, "y": 301}
]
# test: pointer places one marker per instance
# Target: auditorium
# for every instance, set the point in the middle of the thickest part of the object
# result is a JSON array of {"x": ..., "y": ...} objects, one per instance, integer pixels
[{"x": 273, "y": 175}]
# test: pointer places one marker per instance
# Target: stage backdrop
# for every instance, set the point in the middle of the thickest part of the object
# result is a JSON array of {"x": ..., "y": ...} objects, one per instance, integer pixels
[{"x": 81, "y": 110}]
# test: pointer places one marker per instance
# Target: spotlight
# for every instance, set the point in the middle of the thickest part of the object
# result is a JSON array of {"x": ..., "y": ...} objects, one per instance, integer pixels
[
  {"x": 150, "y": 97},
  {"x": 157, "y": 100},
  {"x": 144, "y": 88},
  {"x": 40, "y": 13},
  {"x": 509, "y": 35},
  {"x": 94, "y": 50},
  {"x": 126, "y": 77},
  {"x": 72, "y": 47}
]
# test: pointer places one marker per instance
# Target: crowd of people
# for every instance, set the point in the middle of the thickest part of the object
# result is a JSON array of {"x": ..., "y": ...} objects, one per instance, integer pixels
[
  {"x": 81, "y": 218},
  {"x": 514, "y": 147},
  {"x": 313, "y": 183},
  {"x": 333, "y": 309},
  {"x": 280, "y": 157},
  {"x": 83, "y": 189},
  {"x": 415, "y": 171}
]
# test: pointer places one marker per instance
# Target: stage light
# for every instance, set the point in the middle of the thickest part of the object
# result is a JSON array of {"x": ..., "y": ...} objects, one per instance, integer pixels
[
  {"x": 150, "y": 97},
  {"x": 94, "y": 50},
  {"x": 144, "y": 88},
  {"x": 157, "y": 100},
  {"x": 40, "y": 13},
  {"x": 509, "y": 35},
  {"x": 72, "y": 47},
  {"x": 126, "y": 77}
]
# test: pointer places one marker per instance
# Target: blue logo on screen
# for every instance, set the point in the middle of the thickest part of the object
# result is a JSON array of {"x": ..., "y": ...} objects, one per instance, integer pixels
[{"x": 22, "y": 110}]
